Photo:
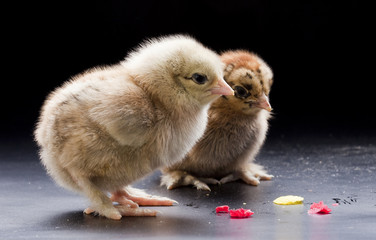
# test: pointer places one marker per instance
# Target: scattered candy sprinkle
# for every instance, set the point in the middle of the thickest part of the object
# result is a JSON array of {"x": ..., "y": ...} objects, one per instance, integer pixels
[
  {"x": 319, "y": 208},
  {"x": 241, "y": 213},
  {"x": 236, "y": 213},
  {"x": 222, "y": 209}
]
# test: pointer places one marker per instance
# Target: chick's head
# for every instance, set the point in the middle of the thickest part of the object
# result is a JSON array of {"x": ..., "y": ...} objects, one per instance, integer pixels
[
  {"x": 251, "y": 78},
  {"x": 179, "y": 66},
  {"x": 200, "y": 74}
]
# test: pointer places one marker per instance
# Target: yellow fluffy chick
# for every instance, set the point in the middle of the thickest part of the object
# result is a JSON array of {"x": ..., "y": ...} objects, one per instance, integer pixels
[
  {"x": 110, "y": 126},
  {"x": 236, "y": 129}
]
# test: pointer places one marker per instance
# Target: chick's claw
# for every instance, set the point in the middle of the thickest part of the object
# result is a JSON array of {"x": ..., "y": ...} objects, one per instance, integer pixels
[
  {"x": 89, "y": 211},
  {"x": 250, "y": 178},
  {"x": 265, "y": 176},
  {"x": 258, "y": 171},
  {"x": 201, "y": 186},
  {"x": 110, "y": 213}
]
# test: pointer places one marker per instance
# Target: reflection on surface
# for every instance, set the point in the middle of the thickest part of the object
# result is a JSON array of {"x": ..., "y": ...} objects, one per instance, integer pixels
[
  {"x": 318, "y": 226},
  {"x": 289, "y": 220}
]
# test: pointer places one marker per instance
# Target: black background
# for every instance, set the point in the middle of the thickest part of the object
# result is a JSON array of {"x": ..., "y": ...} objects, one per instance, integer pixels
[{"x": 320, "y": 52}]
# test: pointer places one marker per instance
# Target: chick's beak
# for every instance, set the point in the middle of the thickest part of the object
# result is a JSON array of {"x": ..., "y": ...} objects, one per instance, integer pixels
[
  {"x": 222, "y": 88},
  {"x": 263, "y": 102}
]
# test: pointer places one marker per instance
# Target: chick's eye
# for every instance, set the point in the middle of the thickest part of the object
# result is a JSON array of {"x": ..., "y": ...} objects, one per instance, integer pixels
[
  {"x": 199, "y": 78},
  {"x": 240, "y": 92}
]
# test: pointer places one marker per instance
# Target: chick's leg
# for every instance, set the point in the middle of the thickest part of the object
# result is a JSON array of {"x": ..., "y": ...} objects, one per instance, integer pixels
[
  {"x": 174, "y": 179},
  {"x": 100, "y": 203}
]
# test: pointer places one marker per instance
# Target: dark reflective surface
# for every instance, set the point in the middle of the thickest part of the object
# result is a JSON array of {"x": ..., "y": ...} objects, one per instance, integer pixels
[{"x": 319, "y": 167}]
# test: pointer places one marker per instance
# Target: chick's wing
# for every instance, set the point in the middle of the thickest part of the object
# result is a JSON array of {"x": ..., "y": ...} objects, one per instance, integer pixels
[{"x": 126, "y": 115}]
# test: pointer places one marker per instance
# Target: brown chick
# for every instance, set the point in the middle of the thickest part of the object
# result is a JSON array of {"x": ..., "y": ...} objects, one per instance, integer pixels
[
  {"x": 110, "y": 126},
  {"x": 235, "y": 132}
]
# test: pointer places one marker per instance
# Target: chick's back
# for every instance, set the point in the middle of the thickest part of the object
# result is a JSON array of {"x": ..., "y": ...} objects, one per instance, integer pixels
[{"x": 80, "y": 126}]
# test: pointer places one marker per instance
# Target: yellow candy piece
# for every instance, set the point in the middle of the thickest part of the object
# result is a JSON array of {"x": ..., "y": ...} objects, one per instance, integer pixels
[{"x": 288, "y": 200}]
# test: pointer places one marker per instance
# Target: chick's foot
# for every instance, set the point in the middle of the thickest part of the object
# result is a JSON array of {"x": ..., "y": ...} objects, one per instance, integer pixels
[
  {"x": 175, "y": 179},
  {"x": 258, "y": 171},
  {"x": 251, "y": 174},
  {"x": 127, "y": 211},
  {"x": 133, "y": 197}
]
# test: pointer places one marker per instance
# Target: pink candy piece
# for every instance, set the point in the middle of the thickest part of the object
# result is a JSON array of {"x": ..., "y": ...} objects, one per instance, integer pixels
[
  {"x": 222, "y": 209},
  {"x": 241, "y": 213},
  {"x": 319, "y": 208}
]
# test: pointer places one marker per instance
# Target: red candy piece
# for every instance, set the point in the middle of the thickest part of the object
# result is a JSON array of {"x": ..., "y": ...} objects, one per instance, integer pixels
[
  {"x": 222, "y": 209},
  {"x": 241, "y": 213},
  {"x": 319, "y": 208}
]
